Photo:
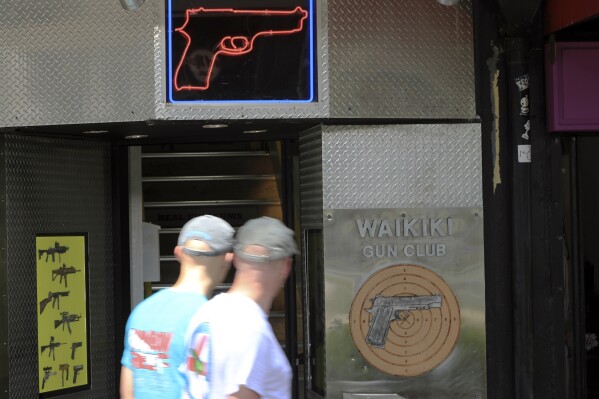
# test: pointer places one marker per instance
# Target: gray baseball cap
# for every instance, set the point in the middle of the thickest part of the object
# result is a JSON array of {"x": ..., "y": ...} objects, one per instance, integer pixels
[
  {"x": 269, "y": 233},
  {"x": 213, "y": 230}
]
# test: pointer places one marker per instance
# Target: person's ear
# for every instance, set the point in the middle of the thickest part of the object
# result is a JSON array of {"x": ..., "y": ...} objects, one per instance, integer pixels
[
  {"x": 226, "y": 265},
  {"x": 287, "y": 268},
  {"x": 178, "y": 253},
  {"x": 233, "y": 260}
]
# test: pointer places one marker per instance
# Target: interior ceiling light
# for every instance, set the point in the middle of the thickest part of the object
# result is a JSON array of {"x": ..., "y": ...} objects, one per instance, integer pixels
[
  {"x": 448, "y": 2},
  {"x": 132, "y": 5},
  {"x": 255, "y": 131},
  {"x": 94, "y": 131},
  {"x": 136, "y": 136},
  {"x": 215, "y": 126}
]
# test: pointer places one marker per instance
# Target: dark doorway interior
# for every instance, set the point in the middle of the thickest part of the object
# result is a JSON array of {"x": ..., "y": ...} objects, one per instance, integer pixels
[
  {"x": 581, "y": 200},
  {"x": 236, "y": 180},
  {"x": 589, "y": 223}
]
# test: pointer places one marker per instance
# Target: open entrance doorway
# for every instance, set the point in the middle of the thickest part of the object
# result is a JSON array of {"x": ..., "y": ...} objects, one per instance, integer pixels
[
  {"x": 234, "y": 180},
  {"x": 580, "y": 194}
]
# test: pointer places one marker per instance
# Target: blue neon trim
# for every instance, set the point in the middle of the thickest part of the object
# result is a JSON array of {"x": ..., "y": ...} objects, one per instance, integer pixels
[
  {"x": 170, "y": 52},
  {"x": 311, "y": 51},
  {"x": 169, "y": 86}
]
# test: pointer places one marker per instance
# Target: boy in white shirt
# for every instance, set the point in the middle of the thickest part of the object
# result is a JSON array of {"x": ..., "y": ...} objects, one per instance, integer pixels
[{"x": 231, "y": 349}]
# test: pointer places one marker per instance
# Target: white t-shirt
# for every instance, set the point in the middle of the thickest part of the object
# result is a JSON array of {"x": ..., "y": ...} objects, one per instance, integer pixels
[{"x": 230, "y": 343}]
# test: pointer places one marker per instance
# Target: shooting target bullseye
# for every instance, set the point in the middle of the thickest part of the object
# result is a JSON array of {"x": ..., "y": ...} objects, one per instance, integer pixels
[{"x": 405, "y": 320}]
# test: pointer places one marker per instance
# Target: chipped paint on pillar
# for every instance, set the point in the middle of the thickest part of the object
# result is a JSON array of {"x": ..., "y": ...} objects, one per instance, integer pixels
[{"x": 495, "y": 144}]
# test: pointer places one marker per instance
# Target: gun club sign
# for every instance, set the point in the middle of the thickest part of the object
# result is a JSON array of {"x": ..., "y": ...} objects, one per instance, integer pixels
[
  {"x": 63, "y": 356},
  {"x": 405, "y": 320},
  {"x": 405, "y": 302}
]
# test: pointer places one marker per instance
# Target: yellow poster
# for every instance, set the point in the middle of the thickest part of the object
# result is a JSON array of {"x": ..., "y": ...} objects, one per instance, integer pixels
[{"x": 62, "y": 312}]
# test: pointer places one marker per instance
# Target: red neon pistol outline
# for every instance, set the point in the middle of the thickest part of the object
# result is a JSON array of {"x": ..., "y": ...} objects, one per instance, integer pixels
[{"x": 232, "y": 45}]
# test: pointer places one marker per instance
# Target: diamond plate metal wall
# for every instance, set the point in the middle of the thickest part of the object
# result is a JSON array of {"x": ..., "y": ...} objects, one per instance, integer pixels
[
  {"x": 68, "y": 62},
  {"x": 89, "y": 62},
  {"x": 3, "y": 278},
  {"x": 401, "y": 59},
  {"x": 56, "y": 185},
  {"x": 402, "y": 166}
]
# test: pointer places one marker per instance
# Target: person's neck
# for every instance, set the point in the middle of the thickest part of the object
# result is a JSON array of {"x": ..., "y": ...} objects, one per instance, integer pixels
[
  {"x": 193, "y": 279},
  {"x": 254, "y": 291}
]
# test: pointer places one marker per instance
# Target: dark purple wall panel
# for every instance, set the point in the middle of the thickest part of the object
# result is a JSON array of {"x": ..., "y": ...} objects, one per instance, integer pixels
[{"x": 572, "y": 82}]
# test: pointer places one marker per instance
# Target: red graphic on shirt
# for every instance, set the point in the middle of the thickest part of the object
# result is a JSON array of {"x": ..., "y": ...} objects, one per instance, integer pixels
[
  {"x": 235, "y": 45},
  {"x": 149, "y": 349},
  {"x": 149, "y": 361},
  {"x": 195, "y": 362}
]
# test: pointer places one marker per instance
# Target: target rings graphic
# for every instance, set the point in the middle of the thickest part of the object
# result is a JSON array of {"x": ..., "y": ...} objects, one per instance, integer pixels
[{"x": 405, "y": 320}]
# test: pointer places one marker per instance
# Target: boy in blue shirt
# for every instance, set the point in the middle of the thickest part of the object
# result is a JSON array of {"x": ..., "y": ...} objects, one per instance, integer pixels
[{"x": 154, "y": 336}]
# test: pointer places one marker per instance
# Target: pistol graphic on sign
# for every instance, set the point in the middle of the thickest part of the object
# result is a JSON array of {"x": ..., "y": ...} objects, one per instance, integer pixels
[
  {"x": 280, "y": 22},
  {"x": 387, "y": 309},
  {"x": 47, "y": 374},
  {"x": 64, "y": 367},
  {"x": 74, "y": 347},
  {"x": 76, "y": 370}
]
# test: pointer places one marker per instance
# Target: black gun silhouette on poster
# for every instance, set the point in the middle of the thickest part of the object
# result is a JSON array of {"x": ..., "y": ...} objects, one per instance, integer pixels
[
  {"x": 54, "y": 297},
  {"x": 64, "y": 367},
  {"x": 51, "y": 346},
  {"x": 74, "y": 347},
  {"x": 66, "y": 319},
  {"x": 242, "y": 29},
  {"x": 76, "y": 370},
  {"x": 63, "y": 272},
  {"x": 47, "y": 374},
  {"x": 56, "y": 249}
]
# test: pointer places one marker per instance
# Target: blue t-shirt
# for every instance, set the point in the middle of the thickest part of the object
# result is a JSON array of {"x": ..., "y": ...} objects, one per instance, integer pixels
[{"x": 154, "y": 342}]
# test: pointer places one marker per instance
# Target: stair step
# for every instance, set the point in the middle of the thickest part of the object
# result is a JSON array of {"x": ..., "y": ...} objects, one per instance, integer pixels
[
  {"x": 207, "y": 178},
  {"x": 182, "y": 204},
  {"x": 163, "y": 166},
  {"x": 215, "y": 154},
  {"x": 210, "y": 190}
]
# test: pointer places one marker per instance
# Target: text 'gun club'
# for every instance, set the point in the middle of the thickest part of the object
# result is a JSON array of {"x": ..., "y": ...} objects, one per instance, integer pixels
[
  {"x": 384, "y": 310},
  {"x": 257, "y": 24}
]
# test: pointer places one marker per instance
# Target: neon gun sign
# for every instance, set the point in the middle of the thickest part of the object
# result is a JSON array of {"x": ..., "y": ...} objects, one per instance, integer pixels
[
  {"x": 245, "y": 54},
  {"x": 236, "y": 45}
]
